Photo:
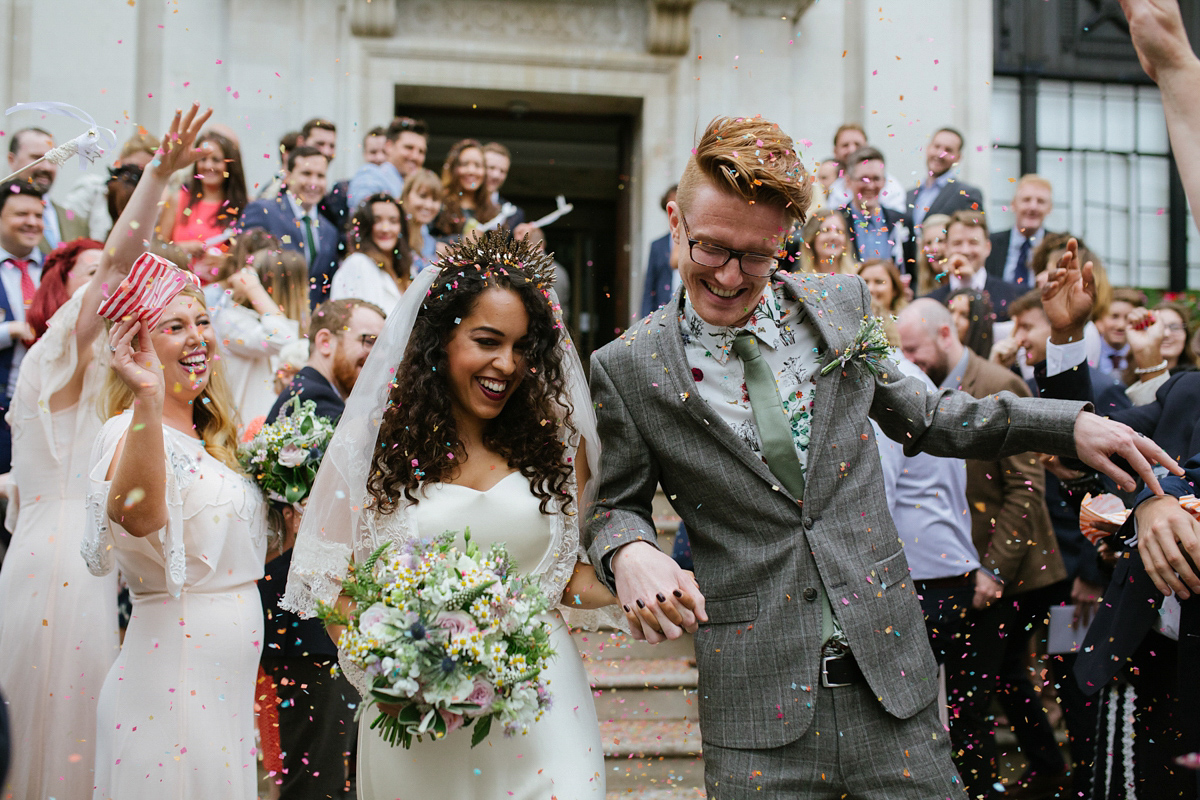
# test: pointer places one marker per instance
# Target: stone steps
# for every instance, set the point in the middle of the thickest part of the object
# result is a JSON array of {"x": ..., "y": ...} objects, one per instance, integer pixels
[{"x": 645, "y": 698}]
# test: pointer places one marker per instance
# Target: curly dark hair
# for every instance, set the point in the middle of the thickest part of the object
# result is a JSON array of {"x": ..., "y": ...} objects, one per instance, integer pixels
[{"x": 418, "y": 426}]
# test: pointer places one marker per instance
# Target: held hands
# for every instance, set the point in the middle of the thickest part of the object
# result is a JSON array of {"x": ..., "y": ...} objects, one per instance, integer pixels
[
  {"x": 139, "y": 368},
  {"x": 1068, "y": 296},
  {"x": 660, "y": 599},
  {"x": 177, "y": 150},
  {"x": 1169, "y": 542}
]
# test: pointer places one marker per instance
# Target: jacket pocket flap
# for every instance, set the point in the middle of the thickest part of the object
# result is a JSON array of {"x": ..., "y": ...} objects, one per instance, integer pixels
[
  {"x": 891, "y": 570},
  {"x": 725, "y": 610}
]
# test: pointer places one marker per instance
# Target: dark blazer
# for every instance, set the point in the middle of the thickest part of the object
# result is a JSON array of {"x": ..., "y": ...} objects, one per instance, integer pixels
[
  {"x": 1001, "y": 294},
  {"x": 658, "y": 275},
  {"x": 893, "y": 219},
  {"x": 995, "y": 260},
  {"x": 1079, "y": 555},
  {"x": 275, "y": 215},
  {"x": 1009, "y": 521},
  {"x": 1130, "y": 603},
  {"x": 954, "y": 196},
  {"x": 285, "y": 634}
]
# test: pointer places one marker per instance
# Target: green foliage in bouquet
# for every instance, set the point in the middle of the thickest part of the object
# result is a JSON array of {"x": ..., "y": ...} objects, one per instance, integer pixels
[
  {"x": 283, "y": 457},
  {"x": 451, "y": 638}
]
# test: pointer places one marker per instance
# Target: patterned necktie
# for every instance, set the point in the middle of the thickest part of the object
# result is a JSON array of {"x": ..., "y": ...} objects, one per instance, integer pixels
[
  {"x": 1021, "y": 276},
  {"x": 28, "y": 287},
  {"x": 775, "y": 433}
]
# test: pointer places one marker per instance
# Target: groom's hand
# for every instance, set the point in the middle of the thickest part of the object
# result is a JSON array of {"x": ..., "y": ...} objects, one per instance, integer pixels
[
  {"x": 1099, "y": 440},
  {"x": 660, "y": 599}
]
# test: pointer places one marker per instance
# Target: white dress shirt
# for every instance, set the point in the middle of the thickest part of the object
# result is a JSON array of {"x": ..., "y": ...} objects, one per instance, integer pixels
[{"x": 10, "y": 280}]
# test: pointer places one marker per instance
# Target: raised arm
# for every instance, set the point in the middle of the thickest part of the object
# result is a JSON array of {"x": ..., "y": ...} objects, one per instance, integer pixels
[
  {"x": 128, "y": 239},
  {"x": 1156, "y": 27}
]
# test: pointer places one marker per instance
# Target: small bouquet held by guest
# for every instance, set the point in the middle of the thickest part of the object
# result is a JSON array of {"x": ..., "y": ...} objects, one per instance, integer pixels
[
  {"x": 283, "y": 456},
  {"x": 449, "y": 638}
]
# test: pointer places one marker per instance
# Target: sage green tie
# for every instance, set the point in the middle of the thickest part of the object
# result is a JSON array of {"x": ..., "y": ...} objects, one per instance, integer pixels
[
  {"x": 775, "y": 433},
  {"x": 309, "y": 244}
]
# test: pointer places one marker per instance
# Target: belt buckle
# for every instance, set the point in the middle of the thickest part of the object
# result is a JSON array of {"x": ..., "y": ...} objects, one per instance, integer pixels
[{"x": 825, "y": 682}]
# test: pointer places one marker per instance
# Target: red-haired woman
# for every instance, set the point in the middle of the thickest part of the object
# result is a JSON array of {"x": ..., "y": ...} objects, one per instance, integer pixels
[{"x": 68, "y": 268}]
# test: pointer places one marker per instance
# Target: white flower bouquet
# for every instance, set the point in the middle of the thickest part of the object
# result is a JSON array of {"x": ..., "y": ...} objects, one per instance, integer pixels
[
  {"x": 283, "y": 457},
  {"x": 451, "y": 638}
]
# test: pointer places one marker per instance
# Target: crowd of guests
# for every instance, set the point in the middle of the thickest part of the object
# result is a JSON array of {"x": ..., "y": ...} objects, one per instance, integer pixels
[
  {"x": 293, "y": 285},
  {"x": 994, "y": 545}
]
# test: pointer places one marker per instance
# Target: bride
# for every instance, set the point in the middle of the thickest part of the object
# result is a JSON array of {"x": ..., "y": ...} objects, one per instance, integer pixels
[{"x": 471, "y": 412}]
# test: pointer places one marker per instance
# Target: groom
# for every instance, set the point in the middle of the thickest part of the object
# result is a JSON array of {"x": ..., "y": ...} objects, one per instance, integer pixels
[{"x": 816, "y": 678}]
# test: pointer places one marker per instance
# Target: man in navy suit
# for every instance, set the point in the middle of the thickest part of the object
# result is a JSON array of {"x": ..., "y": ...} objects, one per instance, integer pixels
[
  {"x": 293, "y": 216},
  {"x": 942, "y": 192},
  {"x": 1011, "y": 258},
  {"x": 660, "y": 278},
  {"x": 316, "y": 712},
  {"x": 968, "y": 246}
]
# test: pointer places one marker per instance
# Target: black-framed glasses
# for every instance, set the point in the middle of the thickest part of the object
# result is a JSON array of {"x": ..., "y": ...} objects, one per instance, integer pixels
[{"x": 756, "y": 265}]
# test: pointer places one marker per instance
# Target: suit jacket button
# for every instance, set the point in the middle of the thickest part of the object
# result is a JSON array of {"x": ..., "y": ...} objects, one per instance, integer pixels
[
  {"x": 810, "y": 594},
  {"x": 808, "y": 522}
]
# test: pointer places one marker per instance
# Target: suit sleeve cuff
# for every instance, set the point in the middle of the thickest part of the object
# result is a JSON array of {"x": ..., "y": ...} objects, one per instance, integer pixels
[{"x": 1062, "y": 357}]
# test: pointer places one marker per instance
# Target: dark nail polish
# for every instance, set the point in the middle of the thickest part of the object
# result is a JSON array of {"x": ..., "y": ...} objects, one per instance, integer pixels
[
  {"x": 660, "y": 597},
  {"x": 677, "y": 593},
  {"x": 626, "y": 609},
  {"x": 640, "y": 604}
]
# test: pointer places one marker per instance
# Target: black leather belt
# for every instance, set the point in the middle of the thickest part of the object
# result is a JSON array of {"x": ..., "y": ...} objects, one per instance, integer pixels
[{"x": 839, "y": 670}]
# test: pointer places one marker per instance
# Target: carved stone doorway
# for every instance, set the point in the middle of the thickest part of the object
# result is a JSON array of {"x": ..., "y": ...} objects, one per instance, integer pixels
[{"x": 580, "y": 146}]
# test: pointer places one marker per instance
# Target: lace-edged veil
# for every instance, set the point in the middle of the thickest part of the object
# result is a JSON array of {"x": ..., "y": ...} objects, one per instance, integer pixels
[{"x": 335, "y": 527}]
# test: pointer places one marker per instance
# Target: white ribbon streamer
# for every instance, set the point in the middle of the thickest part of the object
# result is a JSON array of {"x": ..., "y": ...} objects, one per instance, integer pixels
[
  {"x": 564, "y": 208},
  {"x": 89, "y": 145}
]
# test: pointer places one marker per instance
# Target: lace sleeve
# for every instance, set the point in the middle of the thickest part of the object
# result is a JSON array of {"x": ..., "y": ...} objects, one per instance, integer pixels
[{"x": 102, "y": 533}]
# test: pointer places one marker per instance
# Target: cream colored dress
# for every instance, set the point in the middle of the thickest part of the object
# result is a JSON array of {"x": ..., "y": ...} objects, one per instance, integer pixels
[
  {"x": 176, "y": 714},
  {"x": 58, "y": 622},
  {"x": 561, "y": 756}
]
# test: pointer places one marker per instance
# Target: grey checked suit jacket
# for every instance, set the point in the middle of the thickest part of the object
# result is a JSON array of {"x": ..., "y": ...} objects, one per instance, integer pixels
[{"x": 756, "y": 548}]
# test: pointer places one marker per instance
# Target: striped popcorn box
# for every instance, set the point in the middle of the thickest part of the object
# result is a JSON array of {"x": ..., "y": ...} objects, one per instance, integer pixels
[
  {"x": 146, "y": 292},
  {"x": 1101, "y": 516}
]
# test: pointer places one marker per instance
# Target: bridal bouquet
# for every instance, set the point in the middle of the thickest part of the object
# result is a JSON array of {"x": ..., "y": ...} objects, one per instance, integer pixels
[
  {"x": 283, "y": 457},
  {"x": 452, "y": 638}
]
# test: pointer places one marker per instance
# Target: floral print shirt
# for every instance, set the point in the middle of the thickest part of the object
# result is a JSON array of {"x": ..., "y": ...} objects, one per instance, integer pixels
[{"x": 787, "y": 343}]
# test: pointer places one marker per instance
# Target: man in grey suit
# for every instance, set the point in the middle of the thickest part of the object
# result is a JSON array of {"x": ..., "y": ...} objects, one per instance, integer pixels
[{"x": 745, "y": 397}]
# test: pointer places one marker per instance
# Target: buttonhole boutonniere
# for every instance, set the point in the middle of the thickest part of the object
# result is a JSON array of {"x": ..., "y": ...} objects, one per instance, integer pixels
[{"x": 870, "y": 347}]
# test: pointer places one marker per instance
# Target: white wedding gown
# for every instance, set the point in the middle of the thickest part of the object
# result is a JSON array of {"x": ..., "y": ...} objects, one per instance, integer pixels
[
  {"x": 176, "y": 714},
  {"x": 58, "y": 623},
  {"x": 561, "y": 755}
]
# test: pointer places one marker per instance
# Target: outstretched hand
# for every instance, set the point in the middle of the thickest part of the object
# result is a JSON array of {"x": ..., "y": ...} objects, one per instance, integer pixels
[
  {"x": 1098, "y": 440},
  {"x": 660, "y": 599},
  {"x": 1156, "y": 27},
  {"x": 177, "y": 150},
  {"x": 1069, "y": 295}
]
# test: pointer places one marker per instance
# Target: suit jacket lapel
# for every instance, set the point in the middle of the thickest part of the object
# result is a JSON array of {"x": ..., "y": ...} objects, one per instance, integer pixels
[
  {"x": 813, "y": 296},
  {"x": 679, "y": 375}
]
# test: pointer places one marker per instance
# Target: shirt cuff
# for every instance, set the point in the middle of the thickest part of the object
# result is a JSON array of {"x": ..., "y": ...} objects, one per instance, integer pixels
[{"x": 1062, "y": 357}]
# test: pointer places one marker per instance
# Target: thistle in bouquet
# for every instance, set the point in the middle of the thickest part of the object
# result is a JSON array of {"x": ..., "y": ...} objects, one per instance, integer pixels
[
  {"x": 451, "y": 638},
  {"x": 283, "y": 456}
]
